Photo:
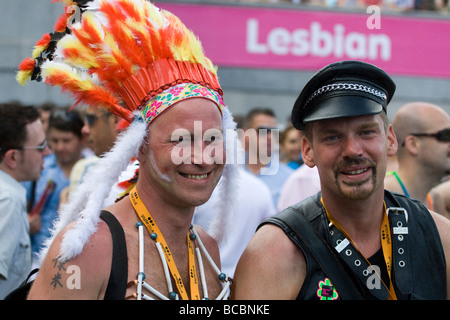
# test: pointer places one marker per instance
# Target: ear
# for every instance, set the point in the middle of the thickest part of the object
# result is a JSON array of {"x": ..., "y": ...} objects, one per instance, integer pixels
[
  {"x": 392, "y": 142},
  {"x": 143, "y": 152},
  {"x": 10, "y": 158},
  {"x": 412, "y": 145},
  {"x": 307, "y": 152},
  {"x": 115, "y": 123}
]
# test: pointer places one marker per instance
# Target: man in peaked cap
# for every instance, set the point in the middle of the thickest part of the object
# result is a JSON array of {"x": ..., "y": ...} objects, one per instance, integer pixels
[{"x": 352, "y": 240}]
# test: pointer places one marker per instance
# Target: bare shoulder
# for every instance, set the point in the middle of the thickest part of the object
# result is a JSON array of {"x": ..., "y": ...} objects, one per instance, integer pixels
[
  {"x": 443, "y": 226},
  {"x": 82, "y": 277},
  {"x": 271, "y": 267},
  {"x": 443, "y": 189},
  {"x": 441, "y": 198}
]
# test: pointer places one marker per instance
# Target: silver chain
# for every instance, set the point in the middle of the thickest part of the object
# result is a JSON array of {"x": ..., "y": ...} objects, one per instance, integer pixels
[{"x": 345, "y": 86}]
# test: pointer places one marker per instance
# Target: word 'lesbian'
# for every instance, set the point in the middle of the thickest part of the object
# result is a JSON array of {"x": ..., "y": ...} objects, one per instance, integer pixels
[{"x": 319, "y": 42}]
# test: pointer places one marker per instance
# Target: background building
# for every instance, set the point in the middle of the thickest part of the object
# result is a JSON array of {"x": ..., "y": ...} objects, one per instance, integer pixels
[{"x": 267, "y": 51}]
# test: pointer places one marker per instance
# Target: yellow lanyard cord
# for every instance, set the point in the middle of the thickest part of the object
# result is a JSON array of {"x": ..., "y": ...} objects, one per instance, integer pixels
[
  {"x": 386, "y": 244},
  {"x": 150, "y": 224}
]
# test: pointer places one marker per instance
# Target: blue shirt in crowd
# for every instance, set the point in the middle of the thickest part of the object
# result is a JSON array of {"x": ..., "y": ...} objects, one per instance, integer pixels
[{"x": 49, "y": 213}]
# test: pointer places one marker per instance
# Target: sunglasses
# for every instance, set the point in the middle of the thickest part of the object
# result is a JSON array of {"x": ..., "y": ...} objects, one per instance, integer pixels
[
  {"x": 262, "y": 130},
  {"x": 91, "y": 119},
  {"x": 442, "y": 135}
]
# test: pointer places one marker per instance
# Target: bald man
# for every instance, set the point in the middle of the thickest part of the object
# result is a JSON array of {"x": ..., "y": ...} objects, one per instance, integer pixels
[{"x": 424, "y": 149}]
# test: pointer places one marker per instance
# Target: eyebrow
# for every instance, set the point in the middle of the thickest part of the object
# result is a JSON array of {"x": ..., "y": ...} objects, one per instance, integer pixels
[
  {"x": 335, "y": 129},
  {"x": 367, "y": 124},
  {"x": 370, "y": 125}
]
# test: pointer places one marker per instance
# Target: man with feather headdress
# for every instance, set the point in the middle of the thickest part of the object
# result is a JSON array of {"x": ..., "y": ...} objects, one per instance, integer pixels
[{"x": 142, "y": 64}]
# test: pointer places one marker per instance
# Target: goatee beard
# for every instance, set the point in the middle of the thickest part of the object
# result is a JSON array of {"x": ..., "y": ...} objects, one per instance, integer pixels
[{"x": 357, "y": 192}]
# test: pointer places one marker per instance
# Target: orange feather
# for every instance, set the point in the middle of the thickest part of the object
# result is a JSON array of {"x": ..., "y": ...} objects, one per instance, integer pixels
[
  {"x": 27, "y": 64},
  {"x": 44, "y": 41},
  {"x": 61, "y": 23}
]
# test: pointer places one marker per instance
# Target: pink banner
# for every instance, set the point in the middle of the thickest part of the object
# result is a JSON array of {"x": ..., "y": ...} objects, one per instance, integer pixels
[{"x": 274, "y": 38}]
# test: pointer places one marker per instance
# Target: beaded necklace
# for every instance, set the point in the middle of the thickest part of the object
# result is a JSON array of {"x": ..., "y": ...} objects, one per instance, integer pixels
[{"x": 168, "y": 262}]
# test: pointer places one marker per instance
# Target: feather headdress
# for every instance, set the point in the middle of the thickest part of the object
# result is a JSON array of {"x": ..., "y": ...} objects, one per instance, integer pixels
[
  {"x": 120, "y": 55},
  {"x": 123, "y": 56}
]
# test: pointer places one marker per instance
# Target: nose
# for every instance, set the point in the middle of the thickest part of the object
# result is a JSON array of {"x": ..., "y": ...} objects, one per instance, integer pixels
[
  {"x": 198, "y": 147},
  {"x": 352, "y": 148},
  {"x": 58, "y": 145},
  {"x": 204, "y": 153},
  {"x": 86, "y": 130},
  {"x": 47, "y": 151}
]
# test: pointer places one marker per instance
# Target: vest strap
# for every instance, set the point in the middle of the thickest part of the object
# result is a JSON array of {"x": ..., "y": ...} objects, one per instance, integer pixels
[{"x": 300, "y": 231}]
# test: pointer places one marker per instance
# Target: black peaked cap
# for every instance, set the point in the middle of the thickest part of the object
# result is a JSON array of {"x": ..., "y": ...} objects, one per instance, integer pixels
[{"x": 343, "y": 89}]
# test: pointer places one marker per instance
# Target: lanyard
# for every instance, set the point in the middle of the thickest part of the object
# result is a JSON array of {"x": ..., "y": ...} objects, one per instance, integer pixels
[
  {"x": 150, "y": 224},
  {"x": 386, "y": 244},
  {"x": 400, "y": 182}
]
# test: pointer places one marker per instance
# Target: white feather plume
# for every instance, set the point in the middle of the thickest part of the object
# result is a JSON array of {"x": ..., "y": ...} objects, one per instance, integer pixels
[
  {"x": 229, "y": 184},
  {"x": 88, "y": 198}
]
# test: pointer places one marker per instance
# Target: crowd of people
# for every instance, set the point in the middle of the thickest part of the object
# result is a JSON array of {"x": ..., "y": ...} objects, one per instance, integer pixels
[{"x": 165, "y": 196}]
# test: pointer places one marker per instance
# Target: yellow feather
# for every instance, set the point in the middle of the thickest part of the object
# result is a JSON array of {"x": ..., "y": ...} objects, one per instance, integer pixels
[
  {"x": 84, "y": 57},
  {"x": 70, "y": 80},
  {"x": 23, "y": 76},
  {"x": 37, "y": 51}
]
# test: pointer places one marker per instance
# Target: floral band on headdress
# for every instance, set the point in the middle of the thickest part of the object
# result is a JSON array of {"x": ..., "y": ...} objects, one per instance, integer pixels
[{"x": 175, "y": 94}]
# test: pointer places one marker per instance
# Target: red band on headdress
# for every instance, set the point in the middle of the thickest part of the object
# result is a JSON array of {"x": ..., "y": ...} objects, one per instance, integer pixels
[{"x": 161, "y": 75}]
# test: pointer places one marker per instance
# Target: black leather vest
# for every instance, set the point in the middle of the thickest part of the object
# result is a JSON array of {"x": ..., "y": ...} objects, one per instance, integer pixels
[{"x": 419, "y": 267}]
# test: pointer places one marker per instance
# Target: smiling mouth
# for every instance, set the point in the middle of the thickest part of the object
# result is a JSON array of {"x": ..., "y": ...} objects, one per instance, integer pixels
[
  {"x": 195, "y": 176},
  {"x": 355, "y": 172}
]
